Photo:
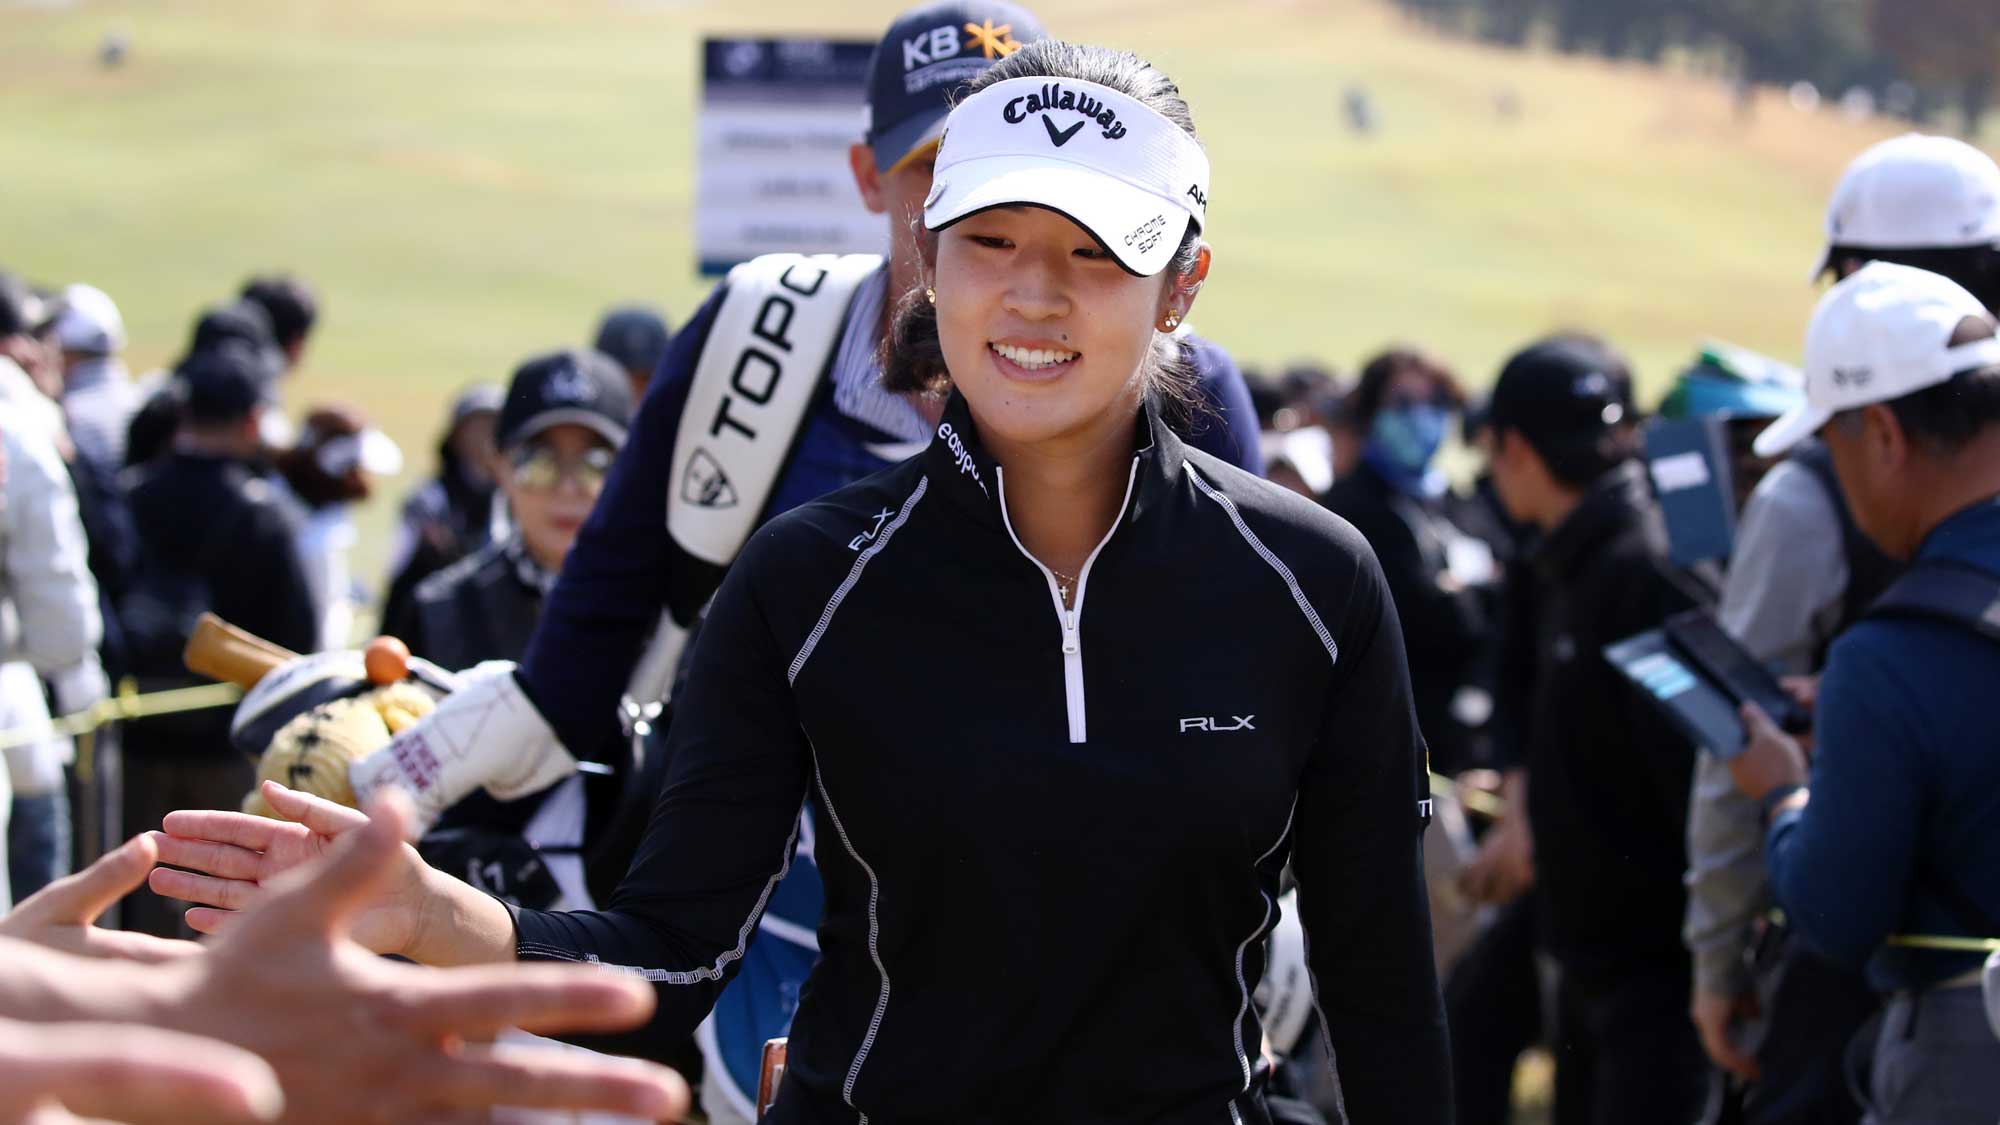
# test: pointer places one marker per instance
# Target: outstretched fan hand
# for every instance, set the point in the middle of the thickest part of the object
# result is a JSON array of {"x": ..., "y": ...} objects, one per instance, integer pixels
[{"x": 357, "y": 1038}]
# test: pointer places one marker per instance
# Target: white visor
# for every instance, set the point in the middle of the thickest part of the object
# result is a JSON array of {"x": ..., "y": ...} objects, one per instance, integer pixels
[{"x": 1106, "y": 161}]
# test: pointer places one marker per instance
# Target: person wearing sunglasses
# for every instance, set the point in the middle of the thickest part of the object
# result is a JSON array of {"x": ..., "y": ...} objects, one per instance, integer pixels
[{"x": 563, "y": 420}]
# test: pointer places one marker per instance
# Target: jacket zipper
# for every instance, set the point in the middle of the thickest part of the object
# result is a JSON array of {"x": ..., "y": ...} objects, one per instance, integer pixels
[{"x": 1071, "y": 619}]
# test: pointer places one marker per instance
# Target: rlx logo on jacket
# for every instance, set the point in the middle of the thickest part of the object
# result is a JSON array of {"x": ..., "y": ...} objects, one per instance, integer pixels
[{"x": 1215, "y": 726}]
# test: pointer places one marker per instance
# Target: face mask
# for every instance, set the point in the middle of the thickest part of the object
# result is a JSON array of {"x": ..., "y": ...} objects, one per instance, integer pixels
[{"x": 1410, "y": 435}]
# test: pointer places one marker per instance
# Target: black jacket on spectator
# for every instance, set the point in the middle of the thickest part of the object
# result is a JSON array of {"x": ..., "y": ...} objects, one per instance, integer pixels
[
  {"x": 1443, "y": 629},
  {"x": 223, "y": 519},
  {"x": 447, "y": 520},
  {"x": 219, "y": 523},
  {"x": 1607, "y": 778},
  {"x": 114, "y": 548},
  {"x": 483, "y": 607}
]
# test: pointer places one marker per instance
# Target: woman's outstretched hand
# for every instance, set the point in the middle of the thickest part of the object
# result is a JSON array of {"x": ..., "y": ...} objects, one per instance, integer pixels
[{"x": 230, "y": 857}]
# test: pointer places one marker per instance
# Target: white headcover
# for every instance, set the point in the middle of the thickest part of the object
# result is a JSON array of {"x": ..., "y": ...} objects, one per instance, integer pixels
[{"x": 1107, "y": 161}]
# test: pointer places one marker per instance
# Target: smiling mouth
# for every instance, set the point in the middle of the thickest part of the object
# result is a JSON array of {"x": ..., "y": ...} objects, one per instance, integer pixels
[{"x": 1034, "y": 359}]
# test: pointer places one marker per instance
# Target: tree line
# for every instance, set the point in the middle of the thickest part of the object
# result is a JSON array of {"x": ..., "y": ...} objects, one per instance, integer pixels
[{"x": 1928, "y": 56}]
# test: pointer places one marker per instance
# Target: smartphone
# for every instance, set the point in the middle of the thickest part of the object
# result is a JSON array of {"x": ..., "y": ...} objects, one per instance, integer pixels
[{"x": 1716, "y": 654}]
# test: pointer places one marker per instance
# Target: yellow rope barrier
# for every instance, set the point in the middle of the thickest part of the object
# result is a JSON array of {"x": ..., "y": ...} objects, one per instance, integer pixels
[
  {"x": 1947, "y": 944},
  {"x": 127, "y": 705}
]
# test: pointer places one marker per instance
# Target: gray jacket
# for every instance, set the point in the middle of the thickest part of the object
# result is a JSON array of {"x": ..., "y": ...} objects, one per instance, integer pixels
[{"x": 1782, "y": 601}]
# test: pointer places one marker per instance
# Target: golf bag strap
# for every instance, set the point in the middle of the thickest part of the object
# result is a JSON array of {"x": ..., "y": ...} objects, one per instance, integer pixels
[{"x": 777, "y": 330}]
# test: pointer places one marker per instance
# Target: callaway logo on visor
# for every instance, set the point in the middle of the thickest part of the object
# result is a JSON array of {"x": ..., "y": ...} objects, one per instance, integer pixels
[
  {"x": 1109, "y": 162},
  {"x": 1056, "y": 99}
]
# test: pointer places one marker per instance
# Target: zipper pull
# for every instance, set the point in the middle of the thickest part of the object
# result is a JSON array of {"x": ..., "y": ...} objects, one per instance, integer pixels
[{"x": 1069, "y": 645}]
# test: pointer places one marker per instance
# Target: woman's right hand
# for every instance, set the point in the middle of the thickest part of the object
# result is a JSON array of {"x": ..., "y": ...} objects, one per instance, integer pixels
[{"x": 232, "y": 856}]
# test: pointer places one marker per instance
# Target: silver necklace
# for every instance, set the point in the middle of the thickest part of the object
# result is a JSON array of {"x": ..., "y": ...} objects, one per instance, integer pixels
[{"x": 1064, "y": 583}]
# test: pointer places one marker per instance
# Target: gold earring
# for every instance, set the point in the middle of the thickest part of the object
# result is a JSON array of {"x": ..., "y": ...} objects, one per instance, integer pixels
[
  {"x": 1173, "y": 321},
  {"x": 930, "y": 294}
]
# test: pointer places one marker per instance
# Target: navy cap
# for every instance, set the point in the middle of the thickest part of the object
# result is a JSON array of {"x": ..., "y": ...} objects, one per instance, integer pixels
[
  {"x": 1562, "y": 394},
  {"x": 925, "y": 58},
  {"x": 635, "y": 336},
  {"x": 573, "y": 387},
  {"x": 221, "y": 383}
]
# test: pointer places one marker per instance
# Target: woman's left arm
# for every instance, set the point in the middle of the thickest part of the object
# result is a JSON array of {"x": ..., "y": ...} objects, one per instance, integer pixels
[{"x": 1364, "y": 799}]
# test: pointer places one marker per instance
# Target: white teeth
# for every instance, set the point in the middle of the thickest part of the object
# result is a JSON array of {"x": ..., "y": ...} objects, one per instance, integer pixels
[{"x": 1033, "y": 358}]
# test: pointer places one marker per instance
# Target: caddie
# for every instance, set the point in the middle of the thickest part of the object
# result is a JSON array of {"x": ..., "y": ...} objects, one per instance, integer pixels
[{"x": 768, "y": 398}]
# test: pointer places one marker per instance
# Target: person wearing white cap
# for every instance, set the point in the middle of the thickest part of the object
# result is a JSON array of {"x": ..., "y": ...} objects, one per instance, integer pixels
[
  {"x": 1065, "y": 694},
  {"x": 99, "y": 397},
  {"x": 1889, "y": 831},
  {"x": 1800, "y": 572},
  {"x": 1918, "y": 200}
]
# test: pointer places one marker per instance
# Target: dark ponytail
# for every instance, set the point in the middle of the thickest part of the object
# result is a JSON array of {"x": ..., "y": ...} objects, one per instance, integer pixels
[{"x": 915, "y": 359}]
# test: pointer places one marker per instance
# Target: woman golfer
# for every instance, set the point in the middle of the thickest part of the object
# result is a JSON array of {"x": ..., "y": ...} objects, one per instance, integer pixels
[{"x": 1068, "y": 695}]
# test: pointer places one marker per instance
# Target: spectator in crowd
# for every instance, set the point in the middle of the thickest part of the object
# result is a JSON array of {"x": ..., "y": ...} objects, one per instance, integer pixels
[
  {"x": 1890, "y": 831},
  {"x": 51, "y": 632},
  {"x": 451, "y": 515},
  {"x": 1606, "y": 784},
  {"x": 25, "y": 317},
  {"x": 1299, "y": 450},
  {"x": 1920, "y": 201},
  {"x": 1802, "y": 572},
  {"x": 151, "y": 433},
  {"x": 45, "y": 363},
  {"x": 333, "y": 466},
  {"x": 291, "y": 309},
  {"x": 215, "y": 537},
  {"x": 98, "y": 402},
  {"x": 1396, "y": 497},
  {"x": 98, "y": 397},
  {"x": 566, "y": 416},
  {"x": 1493, "y": 995},
  {"x": 636, "y": 337}
]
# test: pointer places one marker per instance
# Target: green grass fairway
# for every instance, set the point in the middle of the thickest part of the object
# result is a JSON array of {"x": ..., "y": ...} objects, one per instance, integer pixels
[{"x": 467, "y": 182}]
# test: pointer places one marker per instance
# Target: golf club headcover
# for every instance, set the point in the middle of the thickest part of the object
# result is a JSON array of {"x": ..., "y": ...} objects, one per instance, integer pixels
[
  {"x": 313, "y": 751},
  {"x": 487, "y": 734}
]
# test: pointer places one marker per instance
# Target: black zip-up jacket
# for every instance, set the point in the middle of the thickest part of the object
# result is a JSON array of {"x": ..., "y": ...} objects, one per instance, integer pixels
[
  {"x": 1443, "y": 629},
  {"x": 1607, "y": 777},
  {"x": 1050, "y": 839}
]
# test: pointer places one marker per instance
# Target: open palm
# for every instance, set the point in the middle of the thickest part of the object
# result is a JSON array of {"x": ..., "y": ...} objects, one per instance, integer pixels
[{"x": 230, "y": 857}]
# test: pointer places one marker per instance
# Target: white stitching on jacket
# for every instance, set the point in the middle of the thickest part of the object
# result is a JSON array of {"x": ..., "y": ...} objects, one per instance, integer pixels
[
  {"x": 853, "y": 576},
  {"x": 874, "y": 934},
  {"x": 694, "y": 976},
  {"x": 1262, "y": 930},
  {"x": 1277, "y": 564}
]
